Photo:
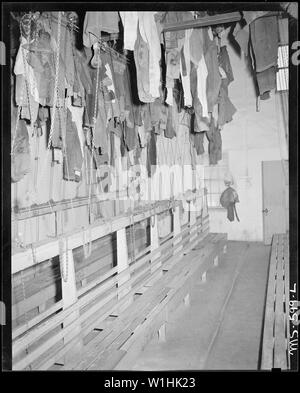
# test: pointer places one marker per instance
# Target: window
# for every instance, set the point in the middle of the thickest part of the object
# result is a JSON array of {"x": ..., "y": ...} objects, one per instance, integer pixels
[
  {"x": 282, "y": 75},
  {"x": 214, "y": 181}
]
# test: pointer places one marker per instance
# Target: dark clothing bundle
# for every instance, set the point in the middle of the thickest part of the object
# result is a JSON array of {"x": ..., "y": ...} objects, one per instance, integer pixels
[
  {"x": 197, "y": 138},
  {"x": 264, "y": 38},
  {"x": 261, "y": 37},
  {"x": 226, "y": 107},
  {"x": 213, "y": 77},
  {"x": 228, "y": 199}
]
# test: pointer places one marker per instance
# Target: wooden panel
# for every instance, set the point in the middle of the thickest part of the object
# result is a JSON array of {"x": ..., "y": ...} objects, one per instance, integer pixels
[
  {"x": 268, "y": 338},
  {"x": 280, "y": 360},
  {"x": 274, "y": 199},
  {"x": 287, "y": 295},
  {"x": 276, "y": 325}
]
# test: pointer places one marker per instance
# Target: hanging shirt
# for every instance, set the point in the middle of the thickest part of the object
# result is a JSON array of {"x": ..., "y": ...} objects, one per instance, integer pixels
[
  {"x": 215, "y": 143},
  {"x": 21, "y": 158},
  {"x": 196, "y": 45},
  {"x": 202, "y": 74},
  {"x": 224, "y": 63},
  {"x": 96, "y": 22},
  {"x": 212, "y": 64},
  {"x": 264, "y": 42},
  {"x": 25, "y": 75},
  {"x": 149, "y": 33},
  {"x": 185, "y": 68},
  {"x": 130, "y": 24},
  {"x": 141, "y": 59},
  {"x": 73, "y": 158},
  {"x": 226, "y": 107}
]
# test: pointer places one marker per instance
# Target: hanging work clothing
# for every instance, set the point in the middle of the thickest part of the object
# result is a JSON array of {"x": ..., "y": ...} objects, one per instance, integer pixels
[
  {"x": 21, "y": 159},
  {"x": 73, "y": 157},
  {"x": 130, "y": 25},
  {"x": 151, "y": 154},
  {"x": 228, "y": 199},
  {"x": 264, "y": 40},
  {"x": 96, "y": 22},
  {"x": 215, "y": 143},
  {"x": 224, "y": 62},
  {"x": 197, "y": 139},
  {"x": 226, "y": 107},
  {"x": 212, "y": 65}
]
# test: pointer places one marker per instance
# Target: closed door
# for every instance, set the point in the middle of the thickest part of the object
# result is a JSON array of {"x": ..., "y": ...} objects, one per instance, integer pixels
[{"x": 274, "y": 199}]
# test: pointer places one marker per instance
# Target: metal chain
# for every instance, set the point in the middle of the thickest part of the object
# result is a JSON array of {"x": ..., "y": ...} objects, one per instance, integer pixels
[
  {"x": 36, "y": 159},
  {"x": 64, "y": 267},
  {"x": 33, "y": 250},
  {"x": 56, "y": 92},
  {"x": 87, "y": 251}
]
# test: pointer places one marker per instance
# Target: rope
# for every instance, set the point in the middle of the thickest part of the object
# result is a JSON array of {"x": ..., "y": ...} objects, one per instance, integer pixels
[
  {"x": 55, "y": 98},
  {"x": 87, "y": 249}
]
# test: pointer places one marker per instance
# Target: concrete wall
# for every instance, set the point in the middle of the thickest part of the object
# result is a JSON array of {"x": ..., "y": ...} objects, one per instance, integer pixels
[{"x": 252, "y": 137}]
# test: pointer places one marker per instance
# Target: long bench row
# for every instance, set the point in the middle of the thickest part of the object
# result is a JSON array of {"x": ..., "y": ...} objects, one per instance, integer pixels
[
  {"x": 50, "y": 337},
  {"x": 118, "y": 343},
  {"x": 275, "y": 343}
]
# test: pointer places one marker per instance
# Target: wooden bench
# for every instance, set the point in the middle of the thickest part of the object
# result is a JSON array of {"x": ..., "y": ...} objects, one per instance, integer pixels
[
  {"x": 275, "y": 343},
  {"x": 89, "y": 304},
  {"x": 117, "y": 344}
]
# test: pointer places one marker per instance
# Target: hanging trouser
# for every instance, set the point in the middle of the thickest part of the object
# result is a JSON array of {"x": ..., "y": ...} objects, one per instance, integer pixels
[
  {"x": 226, "y": 107},
  {"x": 73, "y": 158},
  {"x": 212, "y": 65},
  {"x": 231, "y": 212},
  {"x": 20, "y": 161},
  {"x": 151, "y": 155},
  {"x": 215, "y": 143},
  {"x": 224, "y": 62},
  {"x": 266, "y": 81},
  {"x": 264, "y": 42}
]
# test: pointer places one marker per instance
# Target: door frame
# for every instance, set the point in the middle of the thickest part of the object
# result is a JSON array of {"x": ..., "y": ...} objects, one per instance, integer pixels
[{"x": 286, "y": 201}]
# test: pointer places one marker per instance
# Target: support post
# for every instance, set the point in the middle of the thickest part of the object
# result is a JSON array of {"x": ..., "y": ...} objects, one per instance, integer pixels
[
  {"x": 122, "y": 261},
  {"x": 193, "y": 218},
  {"x": 69, "y": 297},
  {"x": 154, "y": 239},
  {"x": 177, "y": 226}
]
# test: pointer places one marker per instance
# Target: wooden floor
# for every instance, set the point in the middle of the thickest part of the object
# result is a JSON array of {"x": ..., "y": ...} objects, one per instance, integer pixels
[{"x": 221, "y": 330}]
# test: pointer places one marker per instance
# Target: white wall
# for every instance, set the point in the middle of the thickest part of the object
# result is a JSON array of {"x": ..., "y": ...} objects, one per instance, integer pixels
[{"x": 251, "y": 137}]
